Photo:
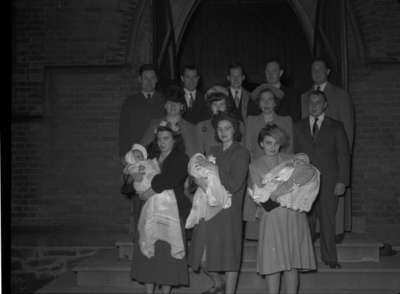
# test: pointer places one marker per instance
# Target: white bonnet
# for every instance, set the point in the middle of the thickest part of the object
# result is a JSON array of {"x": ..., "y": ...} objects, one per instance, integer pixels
[{"x": 129, "y": 156}]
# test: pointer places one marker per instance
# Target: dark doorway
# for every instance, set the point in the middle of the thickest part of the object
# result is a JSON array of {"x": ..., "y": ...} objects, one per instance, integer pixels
[{"x": 252, "y": 32}]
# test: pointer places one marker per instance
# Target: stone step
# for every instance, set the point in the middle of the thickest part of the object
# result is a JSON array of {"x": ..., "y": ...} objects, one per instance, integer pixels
[
  {"x": 105, "y": 269},
  {"x": 66, "y": 284},
  {"x": 354, "y": 248}
]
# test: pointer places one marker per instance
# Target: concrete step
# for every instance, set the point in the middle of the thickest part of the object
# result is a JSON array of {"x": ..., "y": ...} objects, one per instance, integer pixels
[
  {"x": 105, "y": 269},
  {"x": 352, "y": 276},
  {"x": 66, "y": 284},
  {"x": 354, "y": 248}
]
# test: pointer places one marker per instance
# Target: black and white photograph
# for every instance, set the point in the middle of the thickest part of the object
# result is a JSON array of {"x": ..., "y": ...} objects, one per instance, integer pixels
[{"x": 202, "y": 146}]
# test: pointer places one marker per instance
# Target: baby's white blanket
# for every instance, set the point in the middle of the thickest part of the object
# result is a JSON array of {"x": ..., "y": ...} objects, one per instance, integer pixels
[
  {"x": 296, "y": 181},
  {"x": 159, "y": 217},
  {"x": 159, "y": 220},
  {"x": 206, "y": 204},
  {"x": 149, "y": 167}
]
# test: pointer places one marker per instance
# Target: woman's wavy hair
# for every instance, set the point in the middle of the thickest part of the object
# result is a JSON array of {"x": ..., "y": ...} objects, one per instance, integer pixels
[
  {"x": 272, "y": 130},
  {"x": 216, "y": 96},
  {"x": 237, "y": 136},
  {"x": 154, "y": 150}
]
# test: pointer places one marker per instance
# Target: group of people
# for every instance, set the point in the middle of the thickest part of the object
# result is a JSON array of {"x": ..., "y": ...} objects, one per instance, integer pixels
[{"x": 245, "y": 135}]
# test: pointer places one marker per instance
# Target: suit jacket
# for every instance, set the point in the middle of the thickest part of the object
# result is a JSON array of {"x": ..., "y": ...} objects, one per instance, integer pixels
[
  {"x": 340, "y": 107},
  {"x": 246, "y": 106},
  {"x": 173, "y": 175},
  {"x": 188, "y": 132},
  {"x": 254, "y": 126},
  {"x": 329, "y": 152},
  {"x": 135, "y": 115},
  {"x": 198, "y": 111}
]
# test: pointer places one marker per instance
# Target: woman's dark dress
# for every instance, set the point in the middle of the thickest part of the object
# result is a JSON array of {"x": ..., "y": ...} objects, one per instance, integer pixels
[
  {"x": 221, "y": 236},
  {"x": 162, "y": 268}
]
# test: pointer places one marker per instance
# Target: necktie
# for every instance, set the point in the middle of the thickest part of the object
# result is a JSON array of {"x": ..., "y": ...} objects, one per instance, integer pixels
[
  {"x": 148, "y": 96},
  {"x": 237, "y": 98},
  {"x": 318, "y": 88},
  {"x": 315, "y": 128},
  {"x": 190, "y": 100}
]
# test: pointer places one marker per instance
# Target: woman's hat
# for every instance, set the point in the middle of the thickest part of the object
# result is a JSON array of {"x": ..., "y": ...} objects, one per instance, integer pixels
[
  {"x": 277, "y": 92},
  {"x": 216, "y": 93},
  {"x": 175, "y": 94}
]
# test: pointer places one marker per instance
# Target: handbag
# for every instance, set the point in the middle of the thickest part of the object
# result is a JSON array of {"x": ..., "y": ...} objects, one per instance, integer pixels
[
  {"x": 270, "y": 205},
  {"x": 127, "y": 187}
]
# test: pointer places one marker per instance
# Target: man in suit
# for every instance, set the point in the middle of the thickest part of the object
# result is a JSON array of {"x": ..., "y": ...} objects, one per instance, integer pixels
[
  {"x": 196, "y": 109},
  {"x": 324, "y": 140},
  {"x": 240, "y": 97},
  {"x": 290, "y": 103},
  {"x": 139, "y": 109},
  {"x": 135, "y": 115},
  {"x": 340, "y": 108}
]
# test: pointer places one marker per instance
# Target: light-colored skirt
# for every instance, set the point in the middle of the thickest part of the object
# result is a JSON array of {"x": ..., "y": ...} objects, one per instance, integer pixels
[{"x": 284, "y": 242}]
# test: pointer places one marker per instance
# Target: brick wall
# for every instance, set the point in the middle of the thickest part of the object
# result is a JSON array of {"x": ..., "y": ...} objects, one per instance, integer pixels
[
  {"x": 67, "y": 169},
  {"x": 380, "y": 26},
  {"x": 80, "y": 32},
  {"x": 376, "y": 168},
  {"x": 68, "y": 82},
  {"x": 375, "y": 89}
]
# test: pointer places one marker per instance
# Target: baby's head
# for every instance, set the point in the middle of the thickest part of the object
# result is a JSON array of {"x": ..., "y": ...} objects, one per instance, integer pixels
[
  {"x": 301, "y": 158},
  {"x": 136, "y": 154}
]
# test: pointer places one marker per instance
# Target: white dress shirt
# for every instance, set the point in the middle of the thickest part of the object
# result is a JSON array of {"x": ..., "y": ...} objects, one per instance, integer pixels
[
  {"x": 321, "y": 87},
  {"x": 187, "y": 96},
  {"x": 146, "y": 94},
  {"x": 234, "y": 95}
]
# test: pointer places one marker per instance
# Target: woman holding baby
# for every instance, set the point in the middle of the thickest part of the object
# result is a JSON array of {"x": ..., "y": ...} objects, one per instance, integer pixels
[
  {"x": 162, "y": 268},
  {"x": 284, "y": 244},
  {"x": 217, "y": 243}
]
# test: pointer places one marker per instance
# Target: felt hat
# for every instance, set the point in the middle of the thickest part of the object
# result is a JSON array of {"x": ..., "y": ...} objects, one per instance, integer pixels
[
  {"x": 212, "y": 94},
  {"x": 175, "y": 94},
  {"x": 277, "y": 92}
]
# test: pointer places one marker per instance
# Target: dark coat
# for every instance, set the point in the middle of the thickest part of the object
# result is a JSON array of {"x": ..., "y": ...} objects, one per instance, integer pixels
[
  {"x": 173, "y": 175},
  {"x": 198, "y": 111},
  {"x": 222, "y": 235},
  {"x": 135, "y": 115},
  {"x": 246, "y": 106},
  {"x": 188, "y": 131},
  {"x": 329, "y": 152},
  {"x": 340, "y": 107}
]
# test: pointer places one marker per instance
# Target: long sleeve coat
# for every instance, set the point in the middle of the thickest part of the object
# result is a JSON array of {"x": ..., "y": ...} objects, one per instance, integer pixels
[
  {"x": 135, "y": 115},
  {"x": 340, "y": 107},
  {"x": 222, "y": 235}
]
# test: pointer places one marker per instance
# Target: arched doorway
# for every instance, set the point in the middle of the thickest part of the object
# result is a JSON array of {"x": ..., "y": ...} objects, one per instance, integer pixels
[{"x": 251, "y": 32}]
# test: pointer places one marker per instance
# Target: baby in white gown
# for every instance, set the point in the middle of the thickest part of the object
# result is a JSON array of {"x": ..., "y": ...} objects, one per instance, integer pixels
[
  {"x": 206, "y": 204},
  {"x": 295, "y": 182},
  {"x": 159, "y": 217}
]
